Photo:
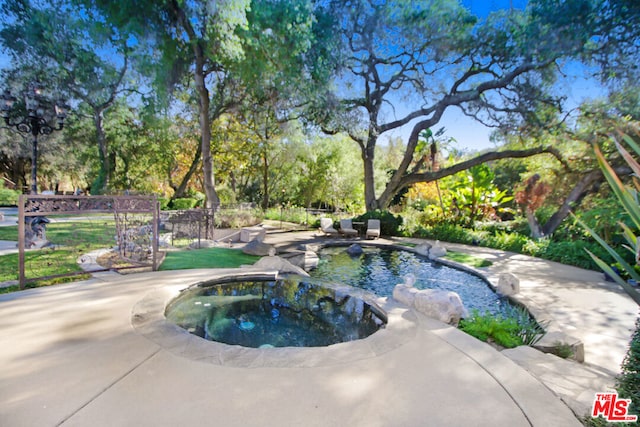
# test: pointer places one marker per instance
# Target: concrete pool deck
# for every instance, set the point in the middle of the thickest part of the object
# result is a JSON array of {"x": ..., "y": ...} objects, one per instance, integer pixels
[{"x": 71, "y": 356}]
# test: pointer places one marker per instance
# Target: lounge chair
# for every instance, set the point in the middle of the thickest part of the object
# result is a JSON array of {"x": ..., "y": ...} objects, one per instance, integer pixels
[
  {"x": 373, "y": 228},
  {"x": 326, "y": 226},
  {"x": 346, "y": 228}
]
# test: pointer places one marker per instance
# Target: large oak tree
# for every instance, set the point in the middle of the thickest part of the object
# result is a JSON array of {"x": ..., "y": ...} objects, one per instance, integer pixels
[{"x": 409, "y": 62}]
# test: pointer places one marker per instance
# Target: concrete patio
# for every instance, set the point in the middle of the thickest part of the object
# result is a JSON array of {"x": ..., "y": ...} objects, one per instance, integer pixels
[{"x": 71, "y": 356}]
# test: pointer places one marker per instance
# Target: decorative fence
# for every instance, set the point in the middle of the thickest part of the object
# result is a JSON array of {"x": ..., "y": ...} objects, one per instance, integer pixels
[
  {"x": 191, "y": 224},
  {"x": 58, "y": 231}
]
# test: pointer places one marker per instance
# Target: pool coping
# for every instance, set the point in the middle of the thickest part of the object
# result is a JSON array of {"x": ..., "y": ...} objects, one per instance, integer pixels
[{"x": 148, "y": 319}]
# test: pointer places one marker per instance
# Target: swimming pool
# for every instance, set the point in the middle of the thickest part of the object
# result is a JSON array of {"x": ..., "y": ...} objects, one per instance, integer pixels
[{"x": 379, "y": 270}]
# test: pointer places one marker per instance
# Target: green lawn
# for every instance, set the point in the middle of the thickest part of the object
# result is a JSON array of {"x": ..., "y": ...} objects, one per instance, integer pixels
[
  {"x": 71, "y": 240},
  {"x": 9, "y": 233},
  {"x": 207, "y": 258},
  {"x": 94, "y": 233},
  {"x": 467, "y": 259}
]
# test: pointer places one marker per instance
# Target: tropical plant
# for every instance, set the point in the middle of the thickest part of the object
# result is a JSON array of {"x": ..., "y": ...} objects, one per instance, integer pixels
[
  {"x": 474, "y": 196},
  {"x": 513, "y": 328},
  {"x": 627, "y": 195}
]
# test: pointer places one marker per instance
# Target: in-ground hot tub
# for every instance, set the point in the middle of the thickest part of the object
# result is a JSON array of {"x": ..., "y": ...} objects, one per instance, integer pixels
[{"x": 286, "y": 312}]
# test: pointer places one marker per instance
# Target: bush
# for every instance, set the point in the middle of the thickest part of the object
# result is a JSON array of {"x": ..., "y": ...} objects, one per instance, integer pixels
[
  {"x": 389, "y": 223},
  {"x": 505, "y": 241},
  {"x": 628, "y": 385},
  {"x": 185, "y": 203},
  {"x": 446, "y": 232},
  {"x": 164, "y": 203},
  {"x": 572, "y": 253},
  {"x": 8, "y": 197},
  {"x": 288, "y": 214},
  {"x": 232, "y": 218},
  {"x": 516, "y": 327}
]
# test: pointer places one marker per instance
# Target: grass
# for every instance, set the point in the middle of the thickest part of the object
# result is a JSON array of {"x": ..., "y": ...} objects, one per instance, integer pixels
[
  {"x": 207, "y": 258},
  {"x": 71, "y": 240},
  {"x": 97, "y": 234},
  {"x": 467, "y": 259},
  {"x": 9, "y": 233},
  {"x": 45, "y": 262},
  {"x": 460, "y": 257}
]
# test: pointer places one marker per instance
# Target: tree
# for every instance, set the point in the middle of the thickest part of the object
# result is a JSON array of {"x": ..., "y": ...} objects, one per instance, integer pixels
[
  {"x": 435, "y": 55},
  {"x": 71, "y": 49},
  {"x": 190, "y": 38},
  {"x": 286, "y": 64}
]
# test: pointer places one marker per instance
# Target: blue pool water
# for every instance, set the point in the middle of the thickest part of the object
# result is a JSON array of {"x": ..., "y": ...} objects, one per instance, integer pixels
[
  {"x": 379, "y": 270},
  {"x": 274, "y": 313}
]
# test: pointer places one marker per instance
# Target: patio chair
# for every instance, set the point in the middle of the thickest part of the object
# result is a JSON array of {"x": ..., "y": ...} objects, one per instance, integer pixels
[
  {"x": 373, "y": 228},
  {"x": 346, "y": 228},
  {"x": 326, "y": 226}
]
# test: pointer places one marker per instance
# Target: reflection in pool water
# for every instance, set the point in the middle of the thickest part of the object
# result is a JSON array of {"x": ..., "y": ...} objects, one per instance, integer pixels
[
  {"x": 282, "y": 313},
  {"x": 378, "y": 270}
]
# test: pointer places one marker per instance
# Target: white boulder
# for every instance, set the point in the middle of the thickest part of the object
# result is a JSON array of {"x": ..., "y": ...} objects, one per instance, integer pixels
[
  {"x": 508, "y": 284},
  {"x": 279, "y": 264},
  {"x": 445, "y": 306},
  {"x": 437, "y": 250},
  {"x": 405, "y": 294},
  {"x": 423, "y": 249}
]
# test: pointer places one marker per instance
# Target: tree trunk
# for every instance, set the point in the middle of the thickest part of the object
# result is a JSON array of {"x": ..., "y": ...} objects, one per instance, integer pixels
[
  {"x": 103, "y": 181},
  {"x": 179, "y": 191},
  {"x": 212, "y": 200},
  {"x": 399, "y": 181},
  {"x": 581, "y": 189},
  {"x": 534, "y": 225},
  {"x": 265, "y": 180},
  {"x": 371, "y": 203}
]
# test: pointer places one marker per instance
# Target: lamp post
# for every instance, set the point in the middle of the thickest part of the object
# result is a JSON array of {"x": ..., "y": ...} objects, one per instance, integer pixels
[{"x": 34, "y": 123}]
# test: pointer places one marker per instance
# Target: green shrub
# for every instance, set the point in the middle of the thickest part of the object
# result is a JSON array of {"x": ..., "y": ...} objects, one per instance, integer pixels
[
  {"x": 389, "y": 223},
  {"x": 572, "y": 253},
  {"x": 513, "y": 328},
  {"x": 226, "y": 195},
  {"x": 8, "y": 197},
  {"x": 289, "y": 214},
  {"x": 628, "y": 384},
  {"x": 233, "y": 218},
  {"x": 505, "y": 241},
  {"x": 164, "y": 203},
  {"x": 446, "y": 232},
  {"x": 184, "y": 203}
]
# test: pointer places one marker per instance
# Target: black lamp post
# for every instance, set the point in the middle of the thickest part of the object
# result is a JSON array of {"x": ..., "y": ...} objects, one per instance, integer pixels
[{"x": 34, "y": 123}]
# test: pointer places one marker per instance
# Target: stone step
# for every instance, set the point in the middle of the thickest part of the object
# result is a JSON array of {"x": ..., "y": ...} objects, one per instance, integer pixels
[{"x": 575, "y": 383}]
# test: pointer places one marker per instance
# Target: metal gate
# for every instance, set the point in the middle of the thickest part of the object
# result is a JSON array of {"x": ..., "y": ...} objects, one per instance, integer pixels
[{"x": 128, "y": 224}]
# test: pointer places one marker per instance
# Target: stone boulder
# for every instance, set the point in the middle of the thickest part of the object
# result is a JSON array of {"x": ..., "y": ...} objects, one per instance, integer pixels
[
  {"x": 405, "y": 294},
  {"x": 423, "y": 249},
  {"x": 256, "y": 247},
  {"x": 279, "y": 264},
  {"x": 307, "y": 260},
  {"x": 444, "y": 306},
  {"x": 355, "y": 250},
  {"x": 508, "y": 284},
  {"x": 308, "y": 247},
  {"x": 437, "y": 251}
]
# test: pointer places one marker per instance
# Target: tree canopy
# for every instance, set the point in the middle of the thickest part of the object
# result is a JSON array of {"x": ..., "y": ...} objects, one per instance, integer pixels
[{"x": 237, "y": 87}]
